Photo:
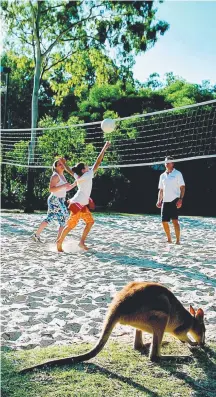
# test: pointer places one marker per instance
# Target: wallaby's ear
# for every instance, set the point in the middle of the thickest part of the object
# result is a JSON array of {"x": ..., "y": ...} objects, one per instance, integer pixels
[
  {"x": 200, "y": 314},
  {"x": 192, "y": 311}
]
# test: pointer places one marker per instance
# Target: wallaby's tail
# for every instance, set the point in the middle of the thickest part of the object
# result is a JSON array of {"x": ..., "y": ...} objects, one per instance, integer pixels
[{"x": 108, "y": 327}]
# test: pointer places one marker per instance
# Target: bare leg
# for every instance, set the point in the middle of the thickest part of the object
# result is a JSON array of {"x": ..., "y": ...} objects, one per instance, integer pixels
[
  {"x": 85, "y": 234},
  {"x": 138, "y": 342},
  {"x": 167, "y": 231},
  {"x": 61, "y": 228},
  {"x": 177, "y": 230},
  {"x": 65, "y": 232},
  {"x": 41, "y": 228}
]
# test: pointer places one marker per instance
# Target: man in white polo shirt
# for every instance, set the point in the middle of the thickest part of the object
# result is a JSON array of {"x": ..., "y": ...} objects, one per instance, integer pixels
[{"x": 171, "y": 192}]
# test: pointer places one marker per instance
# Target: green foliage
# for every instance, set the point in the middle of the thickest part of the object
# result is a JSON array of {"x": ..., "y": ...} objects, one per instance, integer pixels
[
  {"x": 50, "y": 33},
  {"x": 180, "y": 93},
  {"x": 102, "y": 91},
  {"x": 20, "y": 91},
  {"x": 82, "y": 72},
  {"x": 100, "y": 100},
  {"x": 19, "y": 154},
  {"x": 14, "y": 188},
  {"x": 153, "y": 82},
  {"x": 20, "y": 88},
  {"x": 69, "y": 143}
]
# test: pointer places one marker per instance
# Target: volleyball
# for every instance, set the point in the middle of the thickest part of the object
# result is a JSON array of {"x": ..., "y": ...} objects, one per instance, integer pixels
[{"x": 108, "y": 125}]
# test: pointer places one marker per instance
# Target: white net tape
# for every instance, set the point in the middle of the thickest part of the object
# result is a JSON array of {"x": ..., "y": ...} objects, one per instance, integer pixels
[{"x": 186, "y": 133}]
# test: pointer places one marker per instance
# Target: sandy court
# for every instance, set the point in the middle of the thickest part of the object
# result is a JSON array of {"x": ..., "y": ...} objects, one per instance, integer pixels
[{"x": 51, "y": 298}]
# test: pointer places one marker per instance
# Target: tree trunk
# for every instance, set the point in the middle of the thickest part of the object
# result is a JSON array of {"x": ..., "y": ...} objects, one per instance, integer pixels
[
  {"x": 34, "y": 112},
  {"x": 29, "y": 207}
]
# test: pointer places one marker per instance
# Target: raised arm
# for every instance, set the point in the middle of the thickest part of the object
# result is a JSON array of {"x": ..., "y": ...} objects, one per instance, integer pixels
[
  {"x": 100, "y": 157},
  {"x": 66, "y": 167}
]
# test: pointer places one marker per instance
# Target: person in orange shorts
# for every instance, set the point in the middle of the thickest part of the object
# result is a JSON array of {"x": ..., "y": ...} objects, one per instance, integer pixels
[{"x": 78, "y": 204}]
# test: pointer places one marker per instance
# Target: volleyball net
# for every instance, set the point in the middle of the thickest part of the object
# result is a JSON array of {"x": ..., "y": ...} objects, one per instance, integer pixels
[{"x": 186, "y": 133}]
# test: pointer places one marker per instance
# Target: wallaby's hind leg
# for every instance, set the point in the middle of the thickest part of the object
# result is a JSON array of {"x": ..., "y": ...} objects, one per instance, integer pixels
[
  {"x": 138, "y": 341},
  {"x": 158, "y": 332}
]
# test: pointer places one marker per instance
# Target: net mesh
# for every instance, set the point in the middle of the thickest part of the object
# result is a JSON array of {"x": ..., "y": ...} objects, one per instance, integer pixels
[{"x": 186, "y": 133}]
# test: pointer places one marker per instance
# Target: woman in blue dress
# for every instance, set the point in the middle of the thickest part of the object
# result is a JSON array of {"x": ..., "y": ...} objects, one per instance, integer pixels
[{"x": 57, "y": 209}]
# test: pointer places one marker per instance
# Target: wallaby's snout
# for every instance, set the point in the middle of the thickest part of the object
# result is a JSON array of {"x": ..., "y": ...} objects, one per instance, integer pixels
[
  {"x": 202, "y": 342},
  {"x": 198, "y": 329}
]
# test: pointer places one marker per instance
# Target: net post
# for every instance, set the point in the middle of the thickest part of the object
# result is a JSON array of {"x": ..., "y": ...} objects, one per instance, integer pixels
[
  {"x": 30, "y": 173},
  {"x": 5, "y": 89}
]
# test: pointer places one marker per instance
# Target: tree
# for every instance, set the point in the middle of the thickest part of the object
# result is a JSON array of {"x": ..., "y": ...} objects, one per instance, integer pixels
[
  {"x": 114, "y": 187},
  {"x": 50, "y": 32},
  {"x": 178, "y": 92},
  {"x": 79, "y": 74},
  {"x": 153, "y": 81},
  {"x": 20, "y": 91}
]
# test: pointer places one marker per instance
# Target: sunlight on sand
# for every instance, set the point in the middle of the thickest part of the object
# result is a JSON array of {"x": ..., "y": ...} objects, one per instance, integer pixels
[
  {"x": 71, "y": 246},
  {"x": 51, "y": 298}
]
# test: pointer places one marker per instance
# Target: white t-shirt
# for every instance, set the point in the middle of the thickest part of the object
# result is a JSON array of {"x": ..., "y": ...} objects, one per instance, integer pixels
[
  {"x": 84, "y": 184},
  {"x": 60, "y": 193},
  {"x": 170, "y": 183}
]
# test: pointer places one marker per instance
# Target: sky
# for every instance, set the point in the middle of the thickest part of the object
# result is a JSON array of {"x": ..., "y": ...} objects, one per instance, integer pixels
[{"x": 188, "y": 48}]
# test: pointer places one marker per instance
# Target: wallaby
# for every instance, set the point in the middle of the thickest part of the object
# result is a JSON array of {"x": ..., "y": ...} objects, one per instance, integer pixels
[{"x": 148, "y": 307}]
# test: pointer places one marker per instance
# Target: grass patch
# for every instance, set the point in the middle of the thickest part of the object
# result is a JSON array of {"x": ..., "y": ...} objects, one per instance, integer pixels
[{"x": 117, "y": 371}]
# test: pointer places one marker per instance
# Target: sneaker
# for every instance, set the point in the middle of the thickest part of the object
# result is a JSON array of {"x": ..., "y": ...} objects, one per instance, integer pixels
[{"x": 35, "y": 238}]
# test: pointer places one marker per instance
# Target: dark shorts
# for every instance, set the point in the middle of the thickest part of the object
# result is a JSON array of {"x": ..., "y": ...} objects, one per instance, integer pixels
[{"x": 169, "y": 211}]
